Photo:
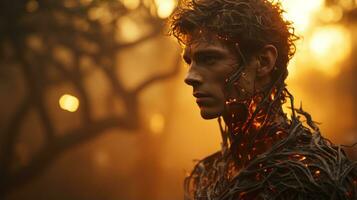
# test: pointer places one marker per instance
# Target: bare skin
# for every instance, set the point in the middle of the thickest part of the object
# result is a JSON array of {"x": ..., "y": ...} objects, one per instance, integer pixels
[{"x": 210, "y": 63}]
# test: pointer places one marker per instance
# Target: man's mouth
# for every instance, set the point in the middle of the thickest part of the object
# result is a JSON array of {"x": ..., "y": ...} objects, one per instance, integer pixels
[
  {"x": 201, "y": 95},
  {"x": 202, "y": 99}
]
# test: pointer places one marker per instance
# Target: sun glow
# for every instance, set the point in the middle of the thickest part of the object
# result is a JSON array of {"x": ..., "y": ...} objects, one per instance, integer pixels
[
  {"x": 300, "y": 12},
  {"x": 329, "y": 46}
]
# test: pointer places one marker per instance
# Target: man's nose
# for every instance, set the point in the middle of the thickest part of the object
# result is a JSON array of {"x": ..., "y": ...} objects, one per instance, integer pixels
[{"x": 193, "y": 78}]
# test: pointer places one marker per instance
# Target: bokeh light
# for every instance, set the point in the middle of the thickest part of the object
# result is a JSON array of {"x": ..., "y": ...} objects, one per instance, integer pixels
[
  {"x": 131, "y": 4},
  {"x": 128, "y": 30},
  {"x": 69, "y": 103},
  {"x": 165, "y": 7},
  {"x": 101, "y": 13}
]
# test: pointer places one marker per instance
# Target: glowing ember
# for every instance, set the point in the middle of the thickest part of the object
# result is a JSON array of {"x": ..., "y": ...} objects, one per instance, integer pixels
[
  {"x": 257, "y": 124},
  {"x": 302, "y": 158}
]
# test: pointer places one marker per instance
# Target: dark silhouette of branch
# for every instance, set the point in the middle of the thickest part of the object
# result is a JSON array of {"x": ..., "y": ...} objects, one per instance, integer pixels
[
  {"x": 51, "y": 152},
  {"x": 35, "y": 86},
  {"x": 10, "y": 135}
]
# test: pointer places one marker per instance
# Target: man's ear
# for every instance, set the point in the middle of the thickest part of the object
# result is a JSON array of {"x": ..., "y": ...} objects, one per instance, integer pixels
[{"x": 267, "y": 60}]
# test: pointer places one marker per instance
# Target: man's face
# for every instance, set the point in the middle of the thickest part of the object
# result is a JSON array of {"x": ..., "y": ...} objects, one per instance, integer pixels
[{"x": 210, "y": 64}]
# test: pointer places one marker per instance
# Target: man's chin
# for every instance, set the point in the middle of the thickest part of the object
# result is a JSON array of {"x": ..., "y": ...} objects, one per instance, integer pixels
[{"x": 206, "y": 114}]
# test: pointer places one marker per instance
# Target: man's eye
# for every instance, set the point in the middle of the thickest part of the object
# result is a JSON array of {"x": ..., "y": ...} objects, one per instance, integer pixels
[{"x": 207, "y": 60}]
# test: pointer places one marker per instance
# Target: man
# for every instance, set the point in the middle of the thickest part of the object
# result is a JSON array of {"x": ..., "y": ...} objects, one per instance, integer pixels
[{"x": 237, "y": 52}]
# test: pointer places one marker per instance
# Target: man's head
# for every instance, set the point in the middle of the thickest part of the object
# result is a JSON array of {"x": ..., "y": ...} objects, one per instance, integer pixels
[{"x": 220, "y": 36}]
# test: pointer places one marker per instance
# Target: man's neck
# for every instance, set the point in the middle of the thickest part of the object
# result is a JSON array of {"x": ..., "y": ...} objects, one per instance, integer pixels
[{"x": 250, "y": 137}]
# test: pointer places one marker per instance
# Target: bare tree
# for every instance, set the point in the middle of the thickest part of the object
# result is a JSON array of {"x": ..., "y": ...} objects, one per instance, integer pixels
[{"x": 30, "y": 31}]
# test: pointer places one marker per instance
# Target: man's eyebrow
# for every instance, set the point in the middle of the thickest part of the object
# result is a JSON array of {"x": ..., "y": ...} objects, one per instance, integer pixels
[{"x": 203, "y": 52}]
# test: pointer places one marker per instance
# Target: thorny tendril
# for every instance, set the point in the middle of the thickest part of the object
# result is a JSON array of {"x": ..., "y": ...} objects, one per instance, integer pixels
[{"x": 303, "y": 165}]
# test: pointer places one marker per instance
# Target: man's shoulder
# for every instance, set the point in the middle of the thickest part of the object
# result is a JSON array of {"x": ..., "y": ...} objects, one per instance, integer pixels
[
  {"x": 199, "y": 176},
  {"x": 306, "y": 165},
  {"x": 206, "y": 163}
]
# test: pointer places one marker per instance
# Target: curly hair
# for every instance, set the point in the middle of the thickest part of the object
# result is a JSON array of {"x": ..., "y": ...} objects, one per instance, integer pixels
[{"x": 250, "y": 23}]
